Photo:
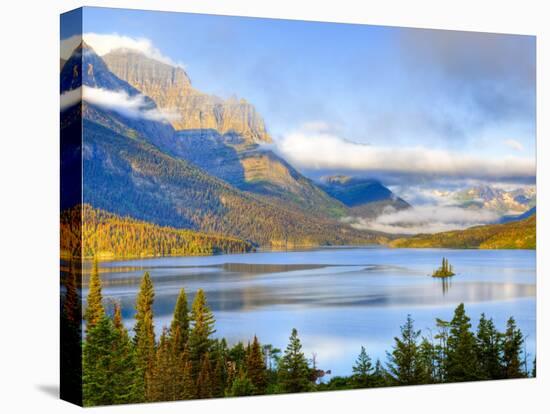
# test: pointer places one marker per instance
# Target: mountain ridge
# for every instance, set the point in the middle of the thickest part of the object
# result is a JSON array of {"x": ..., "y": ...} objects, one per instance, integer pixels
[{"x": 170, "y": 87}]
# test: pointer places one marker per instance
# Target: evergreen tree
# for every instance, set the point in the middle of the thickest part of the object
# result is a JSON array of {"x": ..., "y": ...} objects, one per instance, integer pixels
[
  {"x": 179, "y": 329},
  {"x": 241, "y": 385},
  {"x": 293, "y": 367},
  {"x": 218, "y": 378},
  {"x": 94, "y": 308},
  {"x": 362, "y": 369},
  {"x": 71, "y": 340},
  {"x": 255, "y": 367},
  {"x": 404, "y": 361},
  {"x": 164, "y": 383},
  {"x": 204, "y": 383},
  {"x": 202, "y": 327},
  {"x": 378, "y": 378},
  {"x": 462, "y": 364},
  {"x": 117, "y": 319},
  {"x": 189, "y": 391},
  {"x": 144, "y": 337},
  {"x": 71, "y": 311},
  {"x": 512, "y": 350},
  {"x": 427, "y": 356},
  {"x": 489, "y": 346},
  {"x": 109, "y": 367}
]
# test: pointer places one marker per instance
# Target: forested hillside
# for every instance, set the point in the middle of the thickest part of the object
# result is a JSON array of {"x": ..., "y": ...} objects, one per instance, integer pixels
[
  {"x": 515, "y": 235},
  {"x": 106, "y": 235},
  {"x": 133, "y": 178}
]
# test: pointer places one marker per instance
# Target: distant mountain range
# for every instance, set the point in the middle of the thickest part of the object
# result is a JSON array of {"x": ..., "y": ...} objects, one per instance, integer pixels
[
  {"x": 365, "y": 197},
  {"x": 145, "y": 169},
  {"x": 497, "y": 199}
]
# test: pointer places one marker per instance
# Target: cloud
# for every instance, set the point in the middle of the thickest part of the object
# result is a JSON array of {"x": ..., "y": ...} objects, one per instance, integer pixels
[
  {"x": 136, "y": 106},
  {"x": 512, "y": 143},
  {"x": 70, "y": 98},
  {"x": 425, "y": 219},
  {"x": 105, "y": 43},
  {"x": 321, "y": 150}
]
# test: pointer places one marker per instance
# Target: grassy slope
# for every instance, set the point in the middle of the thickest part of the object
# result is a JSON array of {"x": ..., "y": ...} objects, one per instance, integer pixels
[{"x": 515, "y": 235}]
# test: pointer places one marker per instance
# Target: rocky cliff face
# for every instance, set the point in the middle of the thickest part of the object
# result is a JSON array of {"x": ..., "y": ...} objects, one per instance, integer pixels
[{"x": 171, "y": 89}]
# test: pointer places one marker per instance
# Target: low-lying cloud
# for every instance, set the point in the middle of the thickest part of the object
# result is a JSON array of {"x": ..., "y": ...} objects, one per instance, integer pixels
[
  {"x": 322, "y": 150},
  {"x": 425, "y": 219},
  {"x": 135, "y": 106}
]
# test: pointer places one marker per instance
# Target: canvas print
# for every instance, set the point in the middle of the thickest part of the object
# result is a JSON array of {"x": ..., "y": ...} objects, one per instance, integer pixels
[{"x": 254, "y": 206}]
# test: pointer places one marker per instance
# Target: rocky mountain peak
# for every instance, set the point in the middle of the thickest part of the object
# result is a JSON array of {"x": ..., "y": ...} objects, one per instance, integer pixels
[{"x": 170, "y": 87}]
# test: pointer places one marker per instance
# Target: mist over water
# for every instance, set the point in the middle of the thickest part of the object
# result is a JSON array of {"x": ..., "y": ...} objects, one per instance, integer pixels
[{"x": 337, "y": 298}]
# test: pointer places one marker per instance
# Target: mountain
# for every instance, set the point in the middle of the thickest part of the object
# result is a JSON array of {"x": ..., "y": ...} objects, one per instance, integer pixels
[
  {"x": 496, "y": 199},
  {"x": 221, "y": 137},
  {"x": 527, "y": 214},
  {"x": 365, "y": 197},
  {"x": 170, "y": 87},
  {"x": 514, "y": 235},
  {"x": 126, "y": 172}
]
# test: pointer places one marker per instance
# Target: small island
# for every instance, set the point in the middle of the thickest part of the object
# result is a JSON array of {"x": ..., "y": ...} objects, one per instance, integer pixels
[{"x": 446, "y": 270}]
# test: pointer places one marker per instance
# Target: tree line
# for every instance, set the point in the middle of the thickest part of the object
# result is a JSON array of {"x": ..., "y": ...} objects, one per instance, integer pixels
[
  {"x": 91, "y": 232},
  {"x": 187, "y": 362}
]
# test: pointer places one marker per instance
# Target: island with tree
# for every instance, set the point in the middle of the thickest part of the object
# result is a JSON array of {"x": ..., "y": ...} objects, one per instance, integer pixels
[{"x": 446, "y": 270}]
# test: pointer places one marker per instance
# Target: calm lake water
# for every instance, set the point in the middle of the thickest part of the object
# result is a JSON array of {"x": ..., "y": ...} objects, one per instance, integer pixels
[{"x": 337, "y": 298}]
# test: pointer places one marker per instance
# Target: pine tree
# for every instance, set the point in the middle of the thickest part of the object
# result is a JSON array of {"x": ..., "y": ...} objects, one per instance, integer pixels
[
  {"x": 204, "y": 382},
  {"x": 255, "y": 368},
  {"x": 241, "y": 385},
  {"x": 144, "y": 337},
  {"x": 179, "y": 329},
  {"x": 94, "y": 308},
  {"x": 462, "y": 364},
  {"x": 427, "y": 356},
  {"x": 202, "y": 327},
  {"x": 378, "y": 378},
  {"x": 189, "y": 391},
  {"x": 218, "y": 383},
  {"x": 489, "y": 346},
  {"x": 110, "y": 375},
  {"x": 512, "y": 350},
  {"x": 117, "y": 318},
  {"x": 404, "y": 361},
  {"x": 71, "y": 302},
  {"x": 71, "y": 340},
  {"x": 362, "y": 369},
  {"x": 163, "y": 384},
  {"x": 293, "y": 367}
]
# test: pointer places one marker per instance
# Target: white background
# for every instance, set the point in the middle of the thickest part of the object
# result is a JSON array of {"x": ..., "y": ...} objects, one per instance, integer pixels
[{"x": 29, "y": 146}]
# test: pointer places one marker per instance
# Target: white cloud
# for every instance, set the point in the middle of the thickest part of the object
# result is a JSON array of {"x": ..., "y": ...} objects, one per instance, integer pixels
[
  {"x": 425, "y": 219},
  {"x": 512, "y": 143},
  {"x": 321, "y": 150},
  {"x": 105, "y": 43},
  {"x": 135, "y": 106},
  {"x": 70, "y": 98}
]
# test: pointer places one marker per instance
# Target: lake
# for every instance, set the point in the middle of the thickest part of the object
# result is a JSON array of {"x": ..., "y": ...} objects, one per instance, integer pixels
[{"x": 337, "y": 298}]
